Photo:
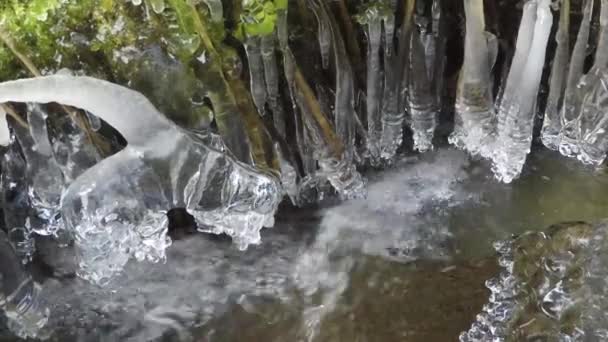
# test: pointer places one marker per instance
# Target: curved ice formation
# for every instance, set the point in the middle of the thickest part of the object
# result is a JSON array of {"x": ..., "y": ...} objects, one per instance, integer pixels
[{"x": 116, "y": 209}]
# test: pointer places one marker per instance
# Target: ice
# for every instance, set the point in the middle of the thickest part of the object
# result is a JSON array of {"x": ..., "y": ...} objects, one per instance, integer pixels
[
  {"x": 344, "y": 106},
  {"x": 374, "y": 86},
  {"x": 256, "y": 73},
  {"x": 593, "y": 121},
  {"x": 44, "y": 177},
  {"x": 557, "y": 84},
  {"x": 271, "y": 76},
  {"x": 16, "y": 203},
  {"x": 5, "y": 135},
  {"x": 19, "y": 295},
  {"x": 517, "y": 109},
  {"x": 163, "y": 167},
  {"x": 475, "y": 117},
  {"x": 570, "y": 131},
  {"x": 420, "y": 98}
]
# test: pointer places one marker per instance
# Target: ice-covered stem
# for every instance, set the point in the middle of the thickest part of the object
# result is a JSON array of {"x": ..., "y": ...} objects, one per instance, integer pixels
[
  {"x": 256, "y": 72},
  {"x": 15, "y": 202},
  {"x": 19, "y": 295},
  {"x": 420, "y": 97},
  {"x": 119, "y": 106},
  {"x": 352, "y": 44},
  {"x": 259, "y": 140},
  {"x": 474, "y": 117},
  {"x": 372, "y": 17},
  {"x": 395, "y": 88},
  {"x": 601, "y": 53},
  {"x": 515, "y": 129},
  {"x": 271, "y": 76},
  {"x": 557, "y": 83},
  {"x": 570, "y": 113},
  {"x": 522, "y": 48},
  {"x": 344, "y": 106}
]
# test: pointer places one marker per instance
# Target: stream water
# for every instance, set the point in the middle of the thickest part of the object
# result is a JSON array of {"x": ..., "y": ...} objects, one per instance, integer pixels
[{"x": 408, "y": 263}]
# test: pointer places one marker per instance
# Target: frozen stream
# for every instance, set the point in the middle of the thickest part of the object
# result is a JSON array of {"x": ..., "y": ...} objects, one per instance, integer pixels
[{"x": 407, "y": 264}]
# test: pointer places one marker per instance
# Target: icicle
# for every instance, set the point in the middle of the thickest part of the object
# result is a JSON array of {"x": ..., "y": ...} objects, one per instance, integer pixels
[
  {"x": 256, "y": 73},
  {"x": 522, "y": 49},
  {"x": 5, "y": 135},
  {"x": 372, "y": 19},
  {"x": 344, "y": 108},
  {"x": 420, "y": 99},
  {"x": 557, "y": 85},
  {"x": 45, "y": 181},
  {"x": 594, "y": 121},
  {"x": 324, "y": 36},
  {"x": 570, "y": 133},
  {"x": 475, "y": 118},
  {"x": 395, "y": 89},
  {"x": 216, "y": 9},
  {"x": 15, "y": 202},
  {"x": 271, "y": 76},
  {"x": 515, "y": 128},
  {"x": 601, "y": 53}
]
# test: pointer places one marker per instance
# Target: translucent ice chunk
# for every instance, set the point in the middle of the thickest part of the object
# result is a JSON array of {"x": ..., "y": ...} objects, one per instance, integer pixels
[
  {"x": 557, "y": 83},
  {"x": 45, "y": 180},
  {"x": 19, "y": 295},
  {"x": 517, "y": 110},
  {"x": 162, "y": 167},
  {"x": 593, "y": 121},
  {"x": 570, "y": 133},
  {"x": 5, "y": 135},
  {"x": 475, "y": 117},
  {"x": 374, "y": 87},
  {"x": 256, "y": 73},
  {"x": 16, "y": 203}
]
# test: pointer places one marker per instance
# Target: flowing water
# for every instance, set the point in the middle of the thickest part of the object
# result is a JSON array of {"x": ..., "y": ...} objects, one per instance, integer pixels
[{"x": 408, "y": 263}]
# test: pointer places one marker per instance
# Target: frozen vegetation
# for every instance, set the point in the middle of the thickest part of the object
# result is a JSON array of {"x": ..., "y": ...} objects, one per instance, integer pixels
[{"x": 113, "y": 113}]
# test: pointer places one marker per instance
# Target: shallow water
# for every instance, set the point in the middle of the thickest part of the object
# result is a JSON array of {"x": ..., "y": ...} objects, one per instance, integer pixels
[{"x": 407, "y": 264}]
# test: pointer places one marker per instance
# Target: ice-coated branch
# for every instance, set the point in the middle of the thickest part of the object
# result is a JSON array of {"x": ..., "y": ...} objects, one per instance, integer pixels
[
  {"x": 514, "y": 134},
  {"x": 475, "y": 117},
  {"x": 570, "y": 133},
  {"x": 128, "y": 111},
  {"x": 557, "y": 83}
]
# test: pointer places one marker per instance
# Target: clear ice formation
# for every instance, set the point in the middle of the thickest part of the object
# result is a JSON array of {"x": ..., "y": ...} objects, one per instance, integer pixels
[
  {"x": 575, "y": 120},
  {"x": 552, "y": 287},
  {"x": 518, "y": 104},
  {"x": 475, "y": 118},
  {"x": 19, "y": 295},
  {"x": 163, "y": 167},
  {"x": 501, "y": 133},
  {"x": 45, "y": 180},
  {"x": 16, "y": 202}
]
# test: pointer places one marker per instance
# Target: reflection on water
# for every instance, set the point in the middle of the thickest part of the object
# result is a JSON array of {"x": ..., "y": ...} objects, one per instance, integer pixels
[{"x": 407, "y": 264}]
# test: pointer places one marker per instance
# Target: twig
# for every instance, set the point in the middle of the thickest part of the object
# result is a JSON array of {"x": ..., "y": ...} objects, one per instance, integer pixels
[{"x": 12, "y": 113}]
